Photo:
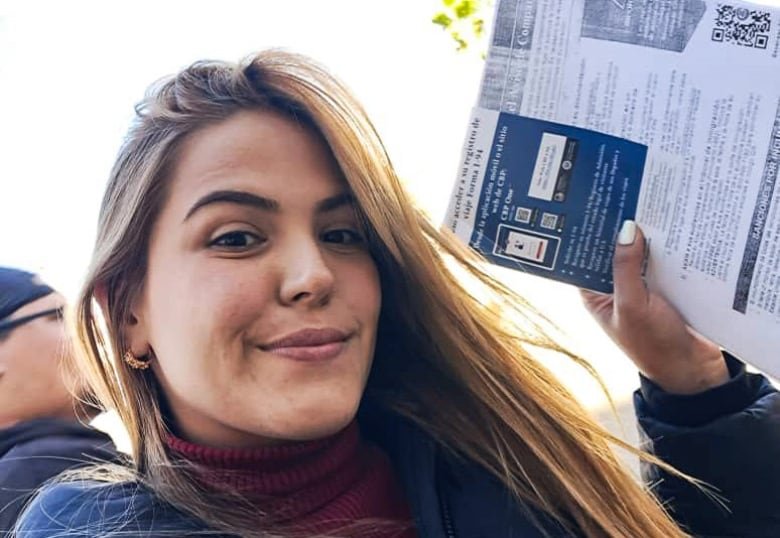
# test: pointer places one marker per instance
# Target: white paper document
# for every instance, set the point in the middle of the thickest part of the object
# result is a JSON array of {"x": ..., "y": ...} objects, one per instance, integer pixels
[{"x": 663, "y": 111}]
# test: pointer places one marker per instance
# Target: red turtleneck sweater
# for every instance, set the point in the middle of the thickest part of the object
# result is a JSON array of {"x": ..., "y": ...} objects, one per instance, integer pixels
[{"x": 318, "y": 486}]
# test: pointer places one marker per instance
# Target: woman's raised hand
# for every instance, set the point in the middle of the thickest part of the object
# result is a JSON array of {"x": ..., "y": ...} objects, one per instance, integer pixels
[{"x": 649, "y": 330}]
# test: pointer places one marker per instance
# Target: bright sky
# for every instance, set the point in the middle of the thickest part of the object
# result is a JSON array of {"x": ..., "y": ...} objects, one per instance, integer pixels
[{"x": 70, "y": 73}]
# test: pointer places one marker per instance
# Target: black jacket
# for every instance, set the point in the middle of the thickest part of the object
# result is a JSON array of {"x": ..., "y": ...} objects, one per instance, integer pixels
[
  {"x": 729, "y": 437},
  {"x": 34, "y": 451}
]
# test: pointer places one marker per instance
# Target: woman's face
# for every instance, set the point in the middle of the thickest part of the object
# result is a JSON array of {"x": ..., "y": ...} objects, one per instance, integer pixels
[{"x": 261, "y": 300}]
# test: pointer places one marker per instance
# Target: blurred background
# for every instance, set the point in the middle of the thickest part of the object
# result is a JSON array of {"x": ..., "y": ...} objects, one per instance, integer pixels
[{"x": 70, "y": 73}]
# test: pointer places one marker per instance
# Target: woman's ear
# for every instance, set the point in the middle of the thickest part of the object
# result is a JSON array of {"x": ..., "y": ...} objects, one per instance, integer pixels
[{"x": 133, "y": 327}]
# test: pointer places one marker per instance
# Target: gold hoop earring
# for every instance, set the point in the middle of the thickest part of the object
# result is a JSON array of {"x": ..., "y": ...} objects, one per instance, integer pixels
[{"x": 136, "y": 363}]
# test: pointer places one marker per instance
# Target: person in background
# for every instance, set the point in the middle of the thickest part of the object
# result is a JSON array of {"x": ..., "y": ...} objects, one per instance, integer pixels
[
  {"x": 41, "y": 422},
  {"x": 292, "y": 354}
]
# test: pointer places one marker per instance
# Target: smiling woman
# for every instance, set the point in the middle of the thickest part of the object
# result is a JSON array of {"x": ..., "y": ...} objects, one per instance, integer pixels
[
  {"x": 259, "y": 279},
  {"x": 292, "y": 356}
]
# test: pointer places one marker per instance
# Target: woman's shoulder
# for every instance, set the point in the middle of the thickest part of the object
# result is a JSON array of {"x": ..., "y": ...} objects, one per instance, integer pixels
[{"x": 101, "y": 509}]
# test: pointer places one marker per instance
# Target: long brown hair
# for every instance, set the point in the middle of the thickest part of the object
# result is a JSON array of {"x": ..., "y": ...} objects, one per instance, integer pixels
[{"x": 446, "y": 357}]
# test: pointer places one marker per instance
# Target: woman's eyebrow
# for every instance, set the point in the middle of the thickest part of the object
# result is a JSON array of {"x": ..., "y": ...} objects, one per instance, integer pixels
[
  {"x": 266, "y": 204},
  {"x": 335, "y": 202},
  {"x": 234, "y": 197}
]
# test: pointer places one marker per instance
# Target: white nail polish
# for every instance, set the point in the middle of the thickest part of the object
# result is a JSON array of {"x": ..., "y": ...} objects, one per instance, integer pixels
[{"x": 627, "y": 233}]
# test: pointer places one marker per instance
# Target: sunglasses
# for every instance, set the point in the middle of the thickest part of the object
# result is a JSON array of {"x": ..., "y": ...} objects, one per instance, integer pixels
[{"x": 8, "y": 326}]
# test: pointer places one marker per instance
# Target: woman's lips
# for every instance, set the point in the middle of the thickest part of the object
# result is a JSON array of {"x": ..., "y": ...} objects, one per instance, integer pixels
[
  {"x": 310, "y": 353},
  {"x": 309, "y": 344}
]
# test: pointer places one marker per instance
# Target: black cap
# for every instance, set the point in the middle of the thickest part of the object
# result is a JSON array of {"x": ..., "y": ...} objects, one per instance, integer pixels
[{"x": 18, "y": 288}]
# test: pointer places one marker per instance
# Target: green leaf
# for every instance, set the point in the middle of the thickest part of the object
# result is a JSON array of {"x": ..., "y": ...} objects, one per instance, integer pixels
[
  {"x": 462, "y": 43},
  {"x": 442, "y": 19},
  {"x": 466, "y": 8},
  {"x": 448, "y": 3},
  {"x": 479, "y": 27}
]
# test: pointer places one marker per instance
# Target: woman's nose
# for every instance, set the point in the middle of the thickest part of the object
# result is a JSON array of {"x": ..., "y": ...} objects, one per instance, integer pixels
[{"x": 306, "y": 277}]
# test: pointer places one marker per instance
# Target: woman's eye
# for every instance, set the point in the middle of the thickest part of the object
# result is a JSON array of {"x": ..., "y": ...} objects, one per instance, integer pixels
[
  {"x": 343, "y": 237},
  {"x": 236, "y": 241}
]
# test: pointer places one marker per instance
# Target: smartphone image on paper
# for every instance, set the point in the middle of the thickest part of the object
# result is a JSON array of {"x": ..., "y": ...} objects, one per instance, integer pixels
[{"x": 526, "y": 246}]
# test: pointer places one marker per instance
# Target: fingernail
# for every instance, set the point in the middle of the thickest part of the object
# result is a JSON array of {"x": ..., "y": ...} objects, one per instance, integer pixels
[{"x": 627, "y": 233}]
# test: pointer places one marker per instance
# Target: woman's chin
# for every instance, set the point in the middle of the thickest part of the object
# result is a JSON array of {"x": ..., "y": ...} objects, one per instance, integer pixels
[{"x": 316, "y": 424}]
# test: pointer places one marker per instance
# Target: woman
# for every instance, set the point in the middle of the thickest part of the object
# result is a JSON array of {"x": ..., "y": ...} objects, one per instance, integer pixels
[{"x": 292, "y": 356}]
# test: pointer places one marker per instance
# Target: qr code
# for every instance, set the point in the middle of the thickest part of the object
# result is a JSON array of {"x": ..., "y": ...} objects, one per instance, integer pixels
[
  {"x": 549, "y": 221},
  {"x": 524, "y": 215},
  {"x": 742, "y": 26}
]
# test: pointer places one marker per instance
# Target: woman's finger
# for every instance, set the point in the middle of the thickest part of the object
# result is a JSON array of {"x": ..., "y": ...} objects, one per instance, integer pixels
[{"x": 630, "y": 291}]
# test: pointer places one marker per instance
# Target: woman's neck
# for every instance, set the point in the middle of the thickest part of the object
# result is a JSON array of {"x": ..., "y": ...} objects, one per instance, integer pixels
[{"x": 337, "y": 480}]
